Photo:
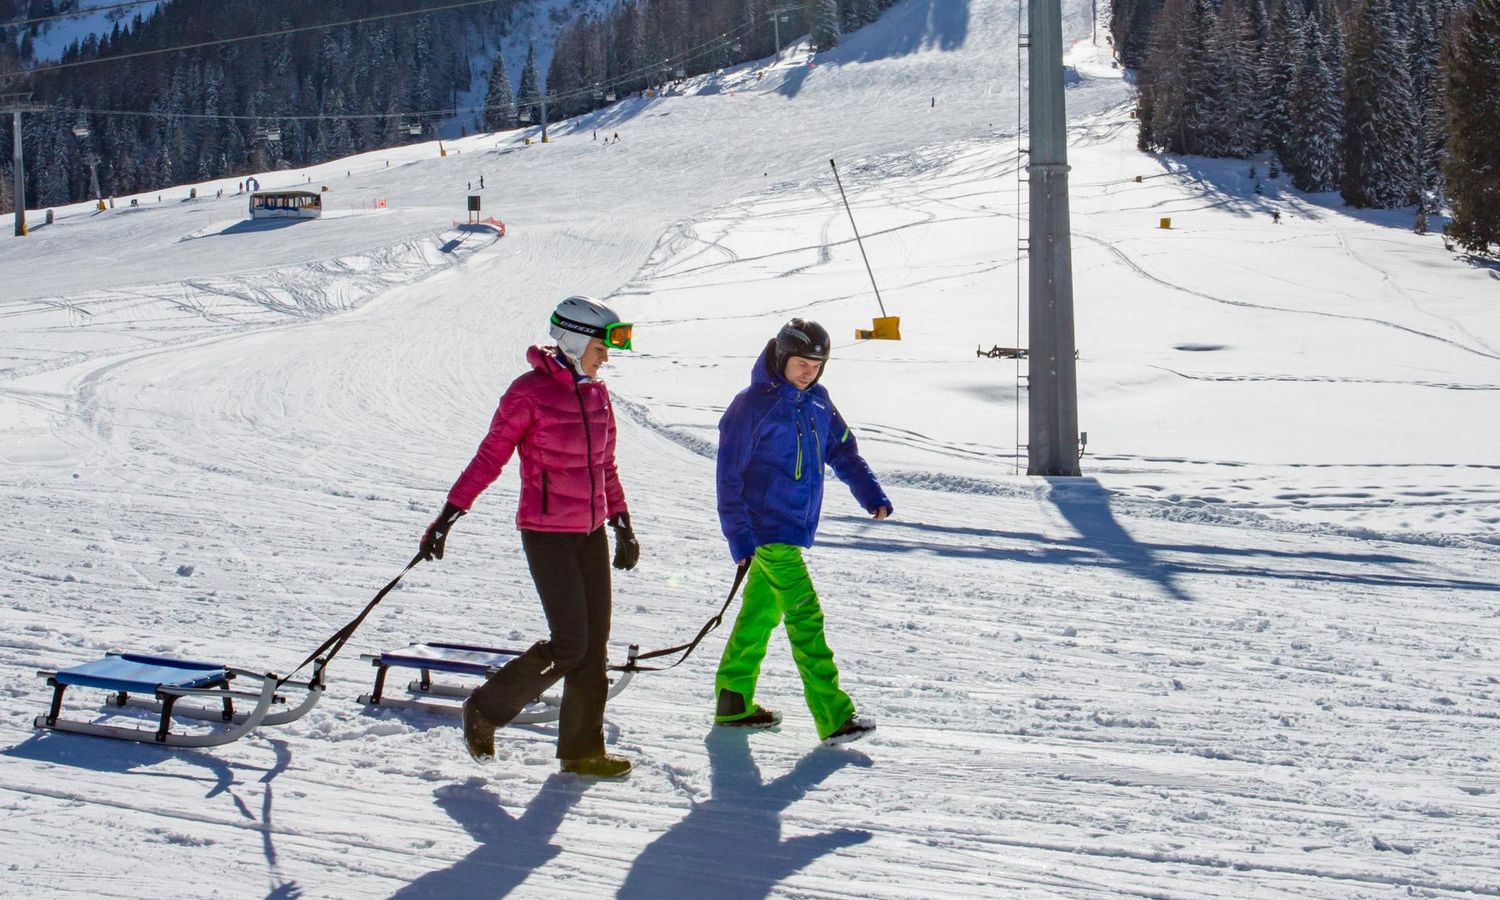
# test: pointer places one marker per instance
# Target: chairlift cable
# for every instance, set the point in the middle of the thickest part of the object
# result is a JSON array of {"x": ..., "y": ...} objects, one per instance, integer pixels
[{"x": 685, "y": 56}]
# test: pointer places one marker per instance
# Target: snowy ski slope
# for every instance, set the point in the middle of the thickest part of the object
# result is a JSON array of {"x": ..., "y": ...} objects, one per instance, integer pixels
[{"x": 1251, "y": 654}]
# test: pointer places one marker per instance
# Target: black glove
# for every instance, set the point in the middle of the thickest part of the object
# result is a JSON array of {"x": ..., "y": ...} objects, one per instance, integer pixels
[
  {"x": 627, "y": 548},
  {"x": 437, "y": 532}
]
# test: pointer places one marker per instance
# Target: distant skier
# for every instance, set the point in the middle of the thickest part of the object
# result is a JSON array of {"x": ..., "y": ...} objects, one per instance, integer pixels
[
  {"x": 1276, "y": 216},
  {"x": 774, "y": 439},
  {"x": 559, "y": 416},
  {"x": 481, "y": 182}
]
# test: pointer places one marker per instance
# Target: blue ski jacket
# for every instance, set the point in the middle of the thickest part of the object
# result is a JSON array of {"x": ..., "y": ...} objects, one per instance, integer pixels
[{"x": 773, "y": 442}]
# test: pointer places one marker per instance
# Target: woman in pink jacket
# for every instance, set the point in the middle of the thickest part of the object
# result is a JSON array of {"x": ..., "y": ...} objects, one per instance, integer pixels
[{"x": 559, "y": 417}]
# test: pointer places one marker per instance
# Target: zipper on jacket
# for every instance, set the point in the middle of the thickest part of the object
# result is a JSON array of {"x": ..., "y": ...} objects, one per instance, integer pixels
[
  {"x": 817, "y": 444},
  {"x": 544, "y": 492},
  {"x": 588, "y": 443},
  {"x": 797, "y": 474}
]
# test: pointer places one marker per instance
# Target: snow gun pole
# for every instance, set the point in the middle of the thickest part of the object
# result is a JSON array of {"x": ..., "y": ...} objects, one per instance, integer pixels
[{"x": 840, "y": 182}]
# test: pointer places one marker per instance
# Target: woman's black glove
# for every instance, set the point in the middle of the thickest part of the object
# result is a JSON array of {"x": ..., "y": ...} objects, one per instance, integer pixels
[
  {"x": 627, "y": 548},
  {"x": 437, "y": 532}
]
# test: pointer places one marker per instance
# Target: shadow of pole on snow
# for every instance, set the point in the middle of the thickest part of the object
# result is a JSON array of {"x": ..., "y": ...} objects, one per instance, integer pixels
[{"x": 1084, "y": 503}]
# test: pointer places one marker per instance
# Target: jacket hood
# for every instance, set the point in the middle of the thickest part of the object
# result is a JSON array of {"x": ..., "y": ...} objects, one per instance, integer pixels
[{"x": 544, "y": 359}]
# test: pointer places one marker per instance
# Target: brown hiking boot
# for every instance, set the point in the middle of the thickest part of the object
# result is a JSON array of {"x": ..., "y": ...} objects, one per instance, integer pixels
[
  {"x": 854, "y": 728},
  {"x": 601, "y": 766},
  {"x": 760, "y": 717},
  {"x": 479, "y": 733},
  {"x": 731, "y": 711}
]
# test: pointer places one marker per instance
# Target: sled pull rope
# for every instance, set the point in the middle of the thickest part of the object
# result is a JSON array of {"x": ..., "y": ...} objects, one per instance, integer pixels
[
  {"x": 690, "y": 646},
  {"x": 336, "y": 642}
]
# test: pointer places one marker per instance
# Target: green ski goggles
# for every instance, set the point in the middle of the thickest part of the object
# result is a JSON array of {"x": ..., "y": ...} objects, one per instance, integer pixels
[{"x": 617, "y": 336}]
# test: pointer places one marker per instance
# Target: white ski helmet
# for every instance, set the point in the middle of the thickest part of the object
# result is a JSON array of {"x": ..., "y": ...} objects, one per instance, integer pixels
[{"x": 578, "y": 318}]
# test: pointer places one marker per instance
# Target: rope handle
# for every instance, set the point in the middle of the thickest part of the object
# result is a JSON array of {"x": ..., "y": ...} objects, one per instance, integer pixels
[
  {"x": 690, "y": 646},
  {"x": 342, "y": 636}
]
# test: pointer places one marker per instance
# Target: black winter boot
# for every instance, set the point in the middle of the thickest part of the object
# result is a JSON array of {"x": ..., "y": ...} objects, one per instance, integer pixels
[
  {"x": 479, "y": 733},
  {"x": 601, "y": 766}
]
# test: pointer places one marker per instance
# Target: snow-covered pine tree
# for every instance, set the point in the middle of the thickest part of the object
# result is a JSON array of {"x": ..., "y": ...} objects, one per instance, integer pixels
[
  {"x": 1472, "y": 169},
  {"x": 825, "y": 25},
  {"x": 529, "y": 97},
  {"x": 1130, "y": 26},
  {"x": 1278, "y": 72},
  {"x": 1317, "y": 118},
  {"x": 1177, "y": 97},
  {"x": 1380, "y": 165},
  {"x": 1233, "y": 63},
  {"x": 1423, "y": 48},
  {"x": 499, "y": 101}
]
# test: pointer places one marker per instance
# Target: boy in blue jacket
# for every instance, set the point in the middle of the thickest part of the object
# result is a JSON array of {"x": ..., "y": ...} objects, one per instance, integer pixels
[{"x": 774, "y": 440}]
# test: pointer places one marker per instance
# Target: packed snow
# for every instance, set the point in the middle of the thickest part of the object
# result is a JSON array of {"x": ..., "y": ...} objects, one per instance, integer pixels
[{"x": 1252, "y": 653}]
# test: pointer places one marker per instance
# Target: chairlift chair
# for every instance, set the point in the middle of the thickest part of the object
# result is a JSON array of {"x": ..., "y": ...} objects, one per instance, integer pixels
[
  {"x": 82, "y": 130},
  {"x": 609, "y": 96},
  {"x": 414, "y": 128},
  {"x": 680, "y": 72},
  {"x": 525, "y": 115}
]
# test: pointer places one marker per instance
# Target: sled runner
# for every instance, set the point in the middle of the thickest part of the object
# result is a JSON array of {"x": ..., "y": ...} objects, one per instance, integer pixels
[
  {"x": 463, "y": 659},
  {"x": 167, "y": 681}
]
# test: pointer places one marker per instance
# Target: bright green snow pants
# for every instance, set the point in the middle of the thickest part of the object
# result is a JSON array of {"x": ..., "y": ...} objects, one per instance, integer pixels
[{"x": 778, "y": 587}]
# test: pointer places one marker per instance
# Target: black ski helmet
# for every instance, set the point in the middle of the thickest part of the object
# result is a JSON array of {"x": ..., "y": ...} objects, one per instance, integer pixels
[{"x": 799, "y": 337}]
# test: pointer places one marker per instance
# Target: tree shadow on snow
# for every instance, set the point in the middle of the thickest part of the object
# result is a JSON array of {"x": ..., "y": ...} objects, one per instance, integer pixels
[
  {"x": 1227, "y": 184},
  {"x": 509, "y": 848},
  {"x": 729, "y": 847},
  {"x": 911, "y": 27}
]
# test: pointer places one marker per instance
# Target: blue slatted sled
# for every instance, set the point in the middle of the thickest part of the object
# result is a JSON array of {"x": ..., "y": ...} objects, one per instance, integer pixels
[
  {"x": 157, "y": 683},
  {"x": 467, "y": 660}
]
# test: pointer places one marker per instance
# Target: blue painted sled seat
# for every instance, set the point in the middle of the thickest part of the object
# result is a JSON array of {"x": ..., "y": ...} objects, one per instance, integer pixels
[
  {"x": 137, "y": 673},
  {"x": 161, "y": 681}
]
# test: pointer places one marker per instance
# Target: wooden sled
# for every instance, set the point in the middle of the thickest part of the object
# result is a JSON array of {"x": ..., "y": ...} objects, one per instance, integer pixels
[
  {"x": 463, "y": 659},
  {"x": 166, "y": 681}
]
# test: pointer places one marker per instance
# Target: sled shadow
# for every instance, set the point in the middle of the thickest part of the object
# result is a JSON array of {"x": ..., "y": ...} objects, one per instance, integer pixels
[
  {"x": 107, "y": 755},
  {"x": 510, "y": 848},
  {"x": 729, "y": 847}
]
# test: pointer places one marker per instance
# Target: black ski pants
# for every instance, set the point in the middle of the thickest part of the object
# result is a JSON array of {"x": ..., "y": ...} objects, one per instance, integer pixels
[{"x": 572, "y": 576}]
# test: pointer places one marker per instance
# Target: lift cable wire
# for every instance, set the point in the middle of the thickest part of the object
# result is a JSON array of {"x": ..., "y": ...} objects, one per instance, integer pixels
[{"x": 686, "y": 56}]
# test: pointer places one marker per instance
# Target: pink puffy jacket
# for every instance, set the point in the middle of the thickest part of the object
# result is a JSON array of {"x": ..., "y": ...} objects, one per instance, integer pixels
[{"x": 565, "y": 431}]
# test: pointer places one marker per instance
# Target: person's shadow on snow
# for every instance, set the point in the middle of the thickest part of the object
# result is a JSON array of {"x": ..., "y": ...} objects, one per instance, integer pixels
[
  {"x": 730, "y": 845},
  {"x": 509, "y": 848}
]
